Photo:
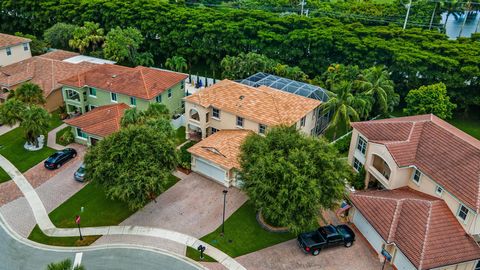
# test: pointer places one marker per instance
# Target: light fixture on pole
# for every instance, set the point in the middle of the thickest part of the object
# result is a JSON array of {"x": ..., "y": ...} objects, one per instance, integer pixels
[{"x": 224, "y": 205}]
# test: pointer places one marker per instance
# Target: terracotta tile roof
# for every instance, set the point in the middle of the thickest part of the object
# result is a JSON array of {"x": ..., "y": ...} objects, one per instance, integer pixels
[
  {"x": 101, "y": 121},
  {"x": 45, "y": 70},
  {"x": 222, "y": 148},
  {"x": 422, "y": 226},
  {"x": 438, "y": 149},
  {"x": 59, "y": 55},
  {"x": 9, "y": 40},
  {"x": 264, "y": 104},
  {"x": 141, "y": 82}
]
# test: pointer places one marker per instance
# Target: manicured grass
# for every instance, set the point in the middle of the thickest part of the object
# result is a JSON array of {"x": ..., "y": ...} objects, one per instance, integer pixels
[
  {"x": 468, "y": 125},
  {"x": 243, "y": 235},
  {"x": 4, "y": 177},
  {"x": 180, "y": 135},
  {"x": 11, "y": 147},
  {"x": 98, "y": 211},
  {"x": 60, "y": 134}
]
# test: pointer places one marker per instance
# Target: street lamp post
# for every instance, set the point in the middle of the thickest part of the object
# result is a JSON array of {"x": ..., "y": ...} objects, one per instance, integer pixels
[
  {"x": 77, "y": 220},
  {"x": 224, "y": 204}
]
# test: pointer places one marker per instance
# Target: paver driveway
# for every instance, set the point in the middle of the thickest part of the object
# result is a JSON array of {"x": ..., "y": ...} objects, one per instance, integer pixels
[
  {"x": 193, "y": 206},
  {"x": 287, "y": 256}
]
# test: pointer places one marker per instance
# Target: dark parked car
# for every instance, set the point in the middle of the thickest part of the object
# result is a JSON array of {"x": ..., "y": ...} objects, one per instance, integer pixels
[
  {"x": 79, "y": 175},
  {"x": 313, "y": 242},
  {"x": 56, "y": 160}
]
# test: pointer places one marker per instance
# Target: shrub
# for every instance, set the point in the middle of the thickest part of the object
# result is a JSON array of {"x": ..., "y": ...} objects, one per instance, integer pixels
[
  {"x": 358, "y": 179},
  {"x": 185, "y": 156},
  {"x": 343, "y": 145},
  {"x": 67, "y": 137}
]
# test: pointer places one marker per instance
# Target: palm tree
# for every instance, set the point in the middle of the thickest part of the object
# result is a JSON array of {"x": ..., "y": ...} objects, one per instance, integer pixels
[
  {"x": 375, "y": 82},
  {"x": 452, "y": 9},
  {"x": 64, "y": 265},
  {"x": 156, "y": 110},
  {"x": 468, "y": 8},
  {"x": 177, "y": 63},
  {"x": 90, "y": 35},
  {"x": 130, "y": 117},
  {"x": 11, "y": 112},
  {"x": 35, "y": 122},
  {"x": 344, "y": 106},
  {"x": 30, "y": 93}
]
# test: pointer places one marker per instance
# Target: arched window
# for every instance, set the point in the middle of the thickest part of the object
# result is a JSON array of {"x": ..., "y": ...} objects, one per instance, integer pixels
[
  {"x": 194, "y": 115},
  {"x": 72, "y": 95},
  {"x": 381, "y": 166}
]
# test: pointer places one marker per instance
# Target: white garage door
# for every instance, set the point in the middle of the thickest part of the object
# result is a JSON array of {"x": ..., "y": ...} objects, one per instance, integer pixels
[
  {"x": 210, "y": 170},
  {"x": 368, "y": 231}
]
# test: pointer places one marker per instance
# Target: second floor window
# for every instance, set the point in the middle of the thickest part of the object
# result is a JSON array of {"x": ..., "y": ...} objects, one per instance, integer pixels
[
  {"x": 169, "y": 93},
  {"x": 92, "y": 92},
  {"x": 262, "y": 128},
  {"x": 302, "y": 121},
  {"x": 158, "y": 99},
  {"x": 72, "y": 95},
  {"x": 239, "y": 121},
  {"x": 133, "y": 101},
  {"x": 416, "y": 176},
  {"x": 182, "y": 85},
  {"x": 113, "y": 96},
  {"x": 462, "y": 212},
  {"x": 356, "y": 164},
  {"x": 25, "y": 46},
  {"x": 215, "y": 113},
  {"x": 362, "y": 145},
  {"x": 9, "y": 51}
]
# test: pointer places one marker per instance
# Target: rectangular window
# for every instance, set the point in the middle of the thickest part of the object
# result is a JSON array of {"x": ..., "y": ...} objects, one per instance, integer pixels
[
  {"x": 25, "y": 46},
  {"x": 81, "y": 134},
  {"x": 183, "y": 85},
  {"x": 262, "y": 128},
  {"x": 463, "y": 212},
  {"x": 9, "y": 51},
  {"x": 214, "y": 130},
  {"x": 439, "y": 190},
  {"x": 169, "y": 93},
  {"x": 362, "y": 145},
  {"x": 207, "y": 117},
  {"x": 215, "y": 113},
  {"x": 302, "y": 121},
  {"x": 416, "y": 176},
  {"x": 158, "y": 99},
  {"x": 239, "y": 121},
  {"x": 477, "y": 266},
  {"x": 113, "y": 96},
  {"x": 92, "y": 92},
  {"x": 356, "y": 164},
  {"x": 133, "y": 101}
]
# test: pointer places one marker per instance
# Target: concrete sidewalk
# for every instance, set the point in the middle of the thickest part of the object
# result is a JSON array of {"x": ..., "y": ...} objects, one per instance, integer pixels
[
  {"x": 52, "y": 137},
  {"x": 46, "y": 225}
]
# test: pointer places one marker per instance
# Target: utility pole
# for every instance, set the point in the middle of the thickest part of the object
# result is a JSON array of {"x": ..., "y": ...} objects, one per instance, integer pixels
[
  {"x": 409, "y": 5},
  {"x": 302, "y": 4}
]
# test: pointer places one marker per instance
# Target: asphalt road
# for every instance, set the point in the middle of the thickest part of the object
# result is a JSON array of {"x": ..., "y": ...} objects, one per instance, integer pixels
[{"x": 16, "y": 255}]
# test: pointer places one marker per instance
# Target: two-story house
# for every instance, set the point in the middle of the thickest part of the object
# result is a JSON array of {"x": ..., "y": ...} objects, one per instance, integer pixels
[
  {"x": 45, "y": 70},
  {"x": 422, "y": 201},
  {"x": 13, "y": 49},
  {"x": 234, "y": 108},
  {"x": 110, "y": 84}
]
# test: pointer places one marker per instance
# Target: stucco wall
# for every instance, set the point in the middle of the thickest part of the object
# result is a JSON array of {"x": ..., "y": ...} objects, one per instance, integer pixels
[
  {"x": 54, "y": 100},
  {"x": 18, "y": 54}
]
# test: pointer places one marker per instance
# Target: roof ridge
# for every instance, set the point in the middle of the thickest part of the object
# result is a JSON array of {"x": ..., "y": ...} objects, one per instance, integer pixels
[
  {"x": 427, "y": 228},
  {"x": 144, "y": 83},
  {"x": 396, "y": 218}
]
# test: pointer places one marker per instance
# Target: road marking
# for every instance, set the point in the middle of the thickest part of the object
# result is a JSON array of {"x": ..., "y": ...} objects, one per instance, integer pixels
[{"x": 78, "y": 259}]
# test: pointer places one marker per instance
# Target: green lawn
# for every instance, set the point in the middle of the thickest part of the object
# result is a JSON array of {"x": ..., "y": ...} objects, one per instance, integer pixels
[
  {"x": 180, "y": 135},
  {"x": 60, "y": 134},
  {"x": 243, "y": 235},
  {"x": 98, "y": 211},
  {"x": 4, "y": 177}
]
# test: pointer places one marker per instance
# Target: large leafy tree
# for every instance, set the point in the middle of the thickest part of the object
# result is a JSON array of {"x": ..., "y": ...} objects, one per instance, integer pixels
[
  {"x": 291, "y": 176},
  {"x": 134, "y": 164},
  {"x": 177, "y": 63},
  {"x": 88, "y": 37},
  {"x": 35, "y": 122},
  {"x": 375, "y": 82},
  {"x": 59, "y": 34},
  {"x": 64, "y": 265},
  {"x": 345, "y": 106},
  {"x": 122, "y": 45},
  {"x": 430, "y": 99},
  {"x": 30, "y": 93}
]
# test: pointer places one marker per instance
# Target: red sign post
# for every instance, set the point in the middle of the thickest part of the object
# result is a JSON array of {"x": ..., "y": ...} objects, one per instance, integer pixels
[{"x": 77, "y": 220}]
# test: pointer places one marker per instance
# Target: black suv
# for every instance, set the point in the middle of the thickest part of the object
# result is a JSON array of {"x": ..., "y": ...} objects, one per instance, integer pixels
[
  {"x": 56, "y": 160},
  {"x": 313, "y": 242}
]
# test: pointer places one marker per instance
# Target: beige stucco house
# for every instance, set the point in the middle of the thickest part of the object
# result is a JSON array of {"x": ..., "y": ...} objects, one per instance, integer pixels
[
  {"x": 423, "y": 199},
  {"x": 225, "y": 113},
  {"x": 13, "y": 49}
]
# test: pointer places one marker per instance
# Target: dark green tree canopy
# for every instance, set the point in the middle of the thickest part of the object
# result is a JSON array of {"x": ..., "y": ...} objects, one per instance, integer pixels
[
  {"x": 430, "y": 99},
  {"x": 291, "y": 176},
  {"x": 133, "y": 165},
  {"x": 122, "y": 46},
  {"x": 59, "y": 34}
]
